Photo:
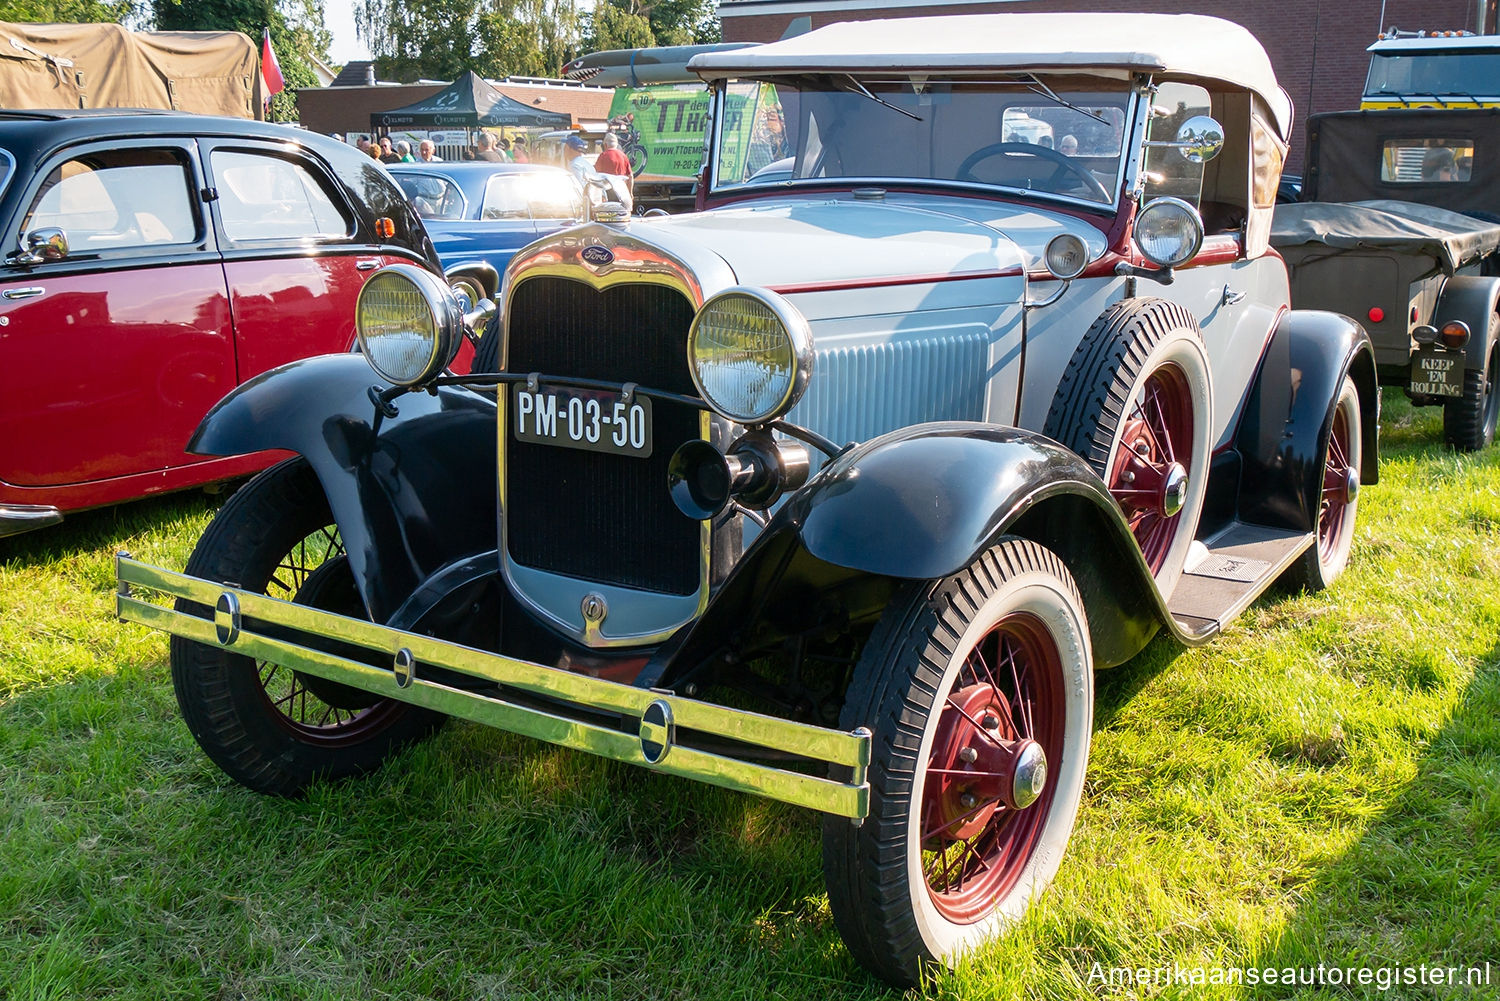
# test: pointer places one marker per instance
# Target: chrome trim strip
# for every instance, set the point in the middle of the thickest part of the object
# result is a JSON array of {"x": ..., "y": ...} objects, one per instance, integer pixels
[
  {"x": 405, "y": 650},
  {"x": 18, "y": 518}
]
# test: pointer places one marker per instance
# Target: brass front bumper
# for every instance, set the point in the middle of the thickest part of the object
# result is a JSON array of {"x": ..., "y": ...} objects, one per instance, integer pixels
[{"x": 659, "y": 717}]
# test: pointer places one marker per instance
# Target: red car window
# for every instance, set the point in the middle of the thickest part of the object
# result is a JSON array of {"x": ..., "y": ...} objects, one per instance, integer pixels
[
  {"x": 106, "y": 200},
  {"x": 264, "y": 197}
]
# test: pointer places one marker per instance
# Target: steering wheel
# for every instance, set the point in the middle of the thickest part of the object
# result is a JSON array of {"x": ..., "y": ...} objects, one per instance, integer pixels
[{"x": 1065, "y": 164}]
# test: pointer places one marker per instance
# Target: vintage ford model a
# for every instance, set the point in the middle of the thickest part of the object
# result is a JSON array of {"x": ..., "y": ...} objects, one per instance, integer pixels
[{"x": 896, "y": 450}]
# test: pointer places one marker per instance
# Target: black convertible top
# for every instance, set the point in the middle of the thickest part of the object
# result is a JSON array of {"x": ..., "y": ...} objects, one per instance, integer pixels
[
  {"x": 1344, "y": 156},
  {"x": 1452, "y": 239}
]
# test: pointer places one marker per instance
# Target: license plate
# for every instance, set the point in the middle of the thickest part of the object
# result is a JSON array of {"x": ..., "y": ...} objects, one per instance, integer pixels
[
  {"x": 590, "y": 419},
  {"x": 1437, "y": 373}
]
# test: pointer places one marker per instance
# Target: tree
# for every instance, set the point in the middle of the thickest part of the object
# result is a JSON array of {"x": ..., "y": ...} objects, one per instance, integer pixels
[
  {"x": 71, "y": 11},
  {"x": 632, "y": 24},
  {"x": 297, "y": 32},
  {"x": 439, "y": 39}
]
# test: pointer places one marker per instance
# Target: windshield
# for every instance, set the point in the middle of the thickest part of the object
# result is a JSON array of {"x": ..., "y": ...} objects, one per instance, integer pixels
[
  {"x": 1460, "y": 75},
  {"x": 1026, "y": 134}
]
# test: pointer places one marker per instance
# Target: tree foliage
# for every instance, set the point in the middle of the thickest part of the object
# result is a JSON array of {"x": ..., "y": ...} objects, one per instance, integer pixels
[
  {"x": 297, "y": 32},
  {"x": 71, "y": 11},
  {"x": 631, "y": 24},
  {"x": 439, "y": 39}
]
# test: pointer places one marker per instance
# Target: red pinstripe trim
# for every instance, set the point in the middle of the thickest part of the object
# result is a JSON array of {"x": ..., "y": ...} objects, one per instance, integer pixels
[{"x": 858, "y": 283}]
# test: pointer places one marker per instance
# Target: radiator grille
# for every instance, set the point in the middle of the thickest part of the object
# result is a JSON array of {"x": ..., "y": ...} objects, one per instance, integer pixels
[{"x": 599, "y": 517}]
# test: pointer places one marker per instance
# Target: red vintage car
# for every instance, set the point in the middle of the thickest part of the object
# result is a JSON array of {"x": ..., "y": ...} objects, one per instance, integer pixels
[{"x": 152, "y": 262}]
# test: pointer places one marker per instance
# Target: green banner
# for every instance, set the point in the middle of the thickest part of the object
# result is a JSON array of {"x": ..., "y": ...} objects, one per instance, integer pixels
[{"x": 661, "y": 127}]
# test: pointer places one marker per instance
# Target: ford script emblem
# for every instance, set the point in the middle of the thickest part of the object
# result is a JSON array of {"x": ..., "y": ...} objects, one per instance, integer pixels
[{"x": 598, "y": 256}]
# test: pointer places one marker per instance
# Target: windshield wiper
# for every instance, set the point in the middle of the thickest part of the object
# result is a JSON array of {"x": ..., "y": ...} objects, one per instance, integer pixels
[
  {"x": 1038, "y": 87},
  {"x": 862, "y": 89},
  {"x": 1459, "y": 93}
]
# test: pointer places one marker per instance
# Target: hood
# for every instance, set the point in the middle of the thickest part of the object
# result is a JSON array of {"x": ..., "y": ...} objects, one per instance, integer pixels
[{"x": 781, "y": 242}]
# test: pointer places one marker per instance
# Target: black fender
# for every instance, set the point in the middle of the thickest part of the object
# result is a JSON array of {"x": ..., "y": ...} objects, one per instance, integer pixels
[
  {"x": 410, "y": 493},
  {"x": 1290, "y": 409},
  {"x": 485, "y": 272},
  {"x": 919, "y": 504},
  {"x": 1472, "y": 299}
]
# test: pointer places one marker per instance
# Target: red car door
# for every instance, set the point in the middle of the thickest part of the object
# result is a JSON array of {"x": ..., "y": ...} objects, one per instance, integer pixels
[
  {"x": 294, "y": 254},
  {"x": 113, "y": 353}
]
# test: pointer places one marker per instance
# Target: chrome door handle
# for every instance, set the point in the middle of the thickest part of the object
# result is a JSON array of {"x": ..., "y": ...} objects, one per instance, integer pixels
[
  {"x": 23, "y": 293},
  {"x": 1230, "y": 297},
  {"x": 367, "y": 264}
]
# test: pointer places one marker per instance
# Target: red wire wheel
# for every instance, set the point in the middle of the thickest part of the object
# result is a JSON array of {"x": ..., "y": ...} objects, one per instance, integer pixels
[
  {"x": 978, "y": 692},
  {"x": 1337, "y": 498},
  {"x": 1149, "y": 470},
  {"x": 1001, "y": 722}
]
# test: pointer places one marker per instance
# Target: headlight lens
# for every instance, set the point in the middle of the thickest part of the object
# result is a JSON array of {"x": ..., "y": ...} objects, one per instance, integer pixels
[
  {"x": 750, "y": 353},
  {"x": 1067, "y": 256},
  {"x": 1169, "y": 232},
  {"x": 409, "y": 324}
]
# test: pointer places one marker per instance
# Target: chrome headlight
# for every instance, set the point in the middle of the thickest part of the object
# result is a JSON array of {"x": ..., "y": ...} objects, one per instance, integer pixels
[
  {"x": 750, "y": 353},
  {"x": 409, "y": 322},
  {"x": 1067, "y": 255},
  {"x": 1169, "y": 232}
]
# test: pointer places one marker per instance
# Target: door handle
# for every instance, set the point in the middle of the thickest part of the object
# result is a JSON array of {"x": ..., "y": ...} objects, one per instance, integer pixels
[
  {"x": 1230, "y": 296},
  {"x": 368, "y": 263},
  {"x": 30, "y": 292}
]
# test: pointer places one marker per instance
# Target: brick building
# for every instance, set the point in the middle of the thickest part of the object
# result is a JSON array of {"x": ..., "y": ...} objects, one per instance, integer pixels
[{"x": 1316, "y": 46}]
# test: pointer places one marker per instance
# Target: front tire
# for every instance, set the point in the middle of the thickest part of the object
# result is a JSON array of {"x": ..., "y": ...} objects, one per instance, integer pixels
[
  {"x": 1135, "y": 402},
  {"x": 269, "y": 727},
  {"x": 978, "y": 689},
  {"x": 1469, "y": 421}
]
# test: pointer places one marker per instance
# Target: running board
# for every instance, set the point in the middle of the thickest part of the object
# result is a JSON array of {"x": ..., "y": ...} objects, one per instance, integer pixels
[{"x": 1238, "y": 565}]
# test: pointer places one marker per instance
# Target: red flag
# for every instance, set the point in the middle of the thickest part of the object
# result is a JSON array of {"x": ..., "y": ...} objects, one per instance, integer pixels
[{"x": 269, "y": 67}]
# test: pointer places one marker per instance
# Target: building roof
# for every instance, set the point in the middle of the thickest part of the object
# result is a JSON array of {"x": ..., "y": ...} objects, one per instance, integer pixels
[{"x": 1189, "y": 45}]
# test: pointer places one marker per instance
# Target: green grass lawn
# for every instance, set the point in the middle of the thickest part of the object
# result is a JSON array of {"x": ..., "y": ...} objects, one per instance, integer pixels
[{"x": 1320, "y": 785}]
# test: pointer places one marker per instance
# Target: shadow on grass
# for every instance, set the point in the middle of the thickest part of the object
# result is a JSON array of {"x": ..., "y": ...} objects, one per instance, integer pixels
[
  {"x": 1428, "y": 867},
  {"x": 103, "y": 527}
]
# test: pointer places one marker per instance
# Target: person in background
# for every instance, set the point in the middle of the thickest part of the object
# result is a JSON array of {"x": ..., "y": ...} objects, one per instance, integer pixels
[
  {"x": 1437, "y": 164},
  {"x": 1068, "y": 145},
  {"x": 518, "y": 151},
  {"x": 504, "y": 145},
  {"x": 403, "y": 150},
  {"x": 427, "y": 152},
  {"x": 363, "y": 145},
  {"x": 485, "y": 149},
  {"x": 578, "y": 161},
  {"x": 387, "y": 154},
  {"x": 612, "y": 161}
]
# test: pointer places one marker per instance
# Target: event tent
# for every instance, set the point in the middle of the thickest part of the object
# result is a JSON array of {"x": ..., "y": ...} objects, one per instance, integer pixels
[{"x": 468, "y": 102}]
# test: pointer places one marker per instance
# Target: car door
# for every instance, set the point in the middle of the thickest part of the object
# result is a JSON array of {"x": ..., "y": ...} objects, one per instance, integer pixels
[
  {"x": 113, "y": 353},
  {"x": 557, "y": 200},
  {"x": 295, "y": 256}
]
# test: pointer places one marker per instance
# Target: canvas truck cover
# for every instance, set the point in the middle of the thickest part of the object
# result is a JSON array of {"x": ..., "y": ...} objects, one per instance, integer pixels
[
  {"x": 1451, "y": 239},
  {"x": 106, "y": 66}
]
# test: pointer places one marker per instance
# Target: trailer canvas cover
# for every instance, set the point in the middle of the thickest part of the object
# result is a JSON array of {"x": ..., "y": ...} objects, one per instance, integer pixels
[{"x": 106, "y": 66}]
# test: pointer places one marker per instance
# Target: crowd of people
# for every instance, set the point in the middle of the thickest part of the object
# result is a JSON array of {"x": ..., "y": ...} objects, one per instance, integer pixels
[{"x": 486, "y": 146}]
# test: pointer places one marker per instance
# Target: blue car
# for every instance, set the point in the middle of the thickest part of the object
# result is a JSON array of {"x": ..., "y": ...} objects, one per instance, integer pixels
[{"x": 480, "y": 214}]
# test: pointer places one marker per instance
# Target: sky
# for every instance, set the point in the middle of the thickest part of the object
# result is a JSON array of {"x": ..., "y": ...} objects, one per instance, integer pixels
[{"x": 339, "y": 17}]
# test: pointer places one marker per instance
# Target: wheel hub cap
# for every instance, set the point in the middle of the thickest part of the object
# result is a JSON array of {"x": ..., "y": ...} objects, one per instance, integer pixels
[
  {"x": 1351, "y": 484},
  {"x": 1174, "y": 483},
  {"x": 986, "y": 765}
]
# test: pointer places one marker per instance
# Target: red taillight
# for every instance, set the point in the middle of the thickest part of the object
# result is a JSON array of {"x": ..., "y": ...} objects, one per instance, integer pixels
[
  {"x": 385, "y": 228},
  {"x": 1454, "y": 334},
  {"x": 1376, "y": 314}
]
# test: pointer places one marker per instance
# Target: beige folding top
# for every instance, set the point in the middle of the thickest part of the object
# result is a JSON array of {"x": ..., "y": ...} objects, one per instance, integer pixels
[{"x": 1191, "y": 45}]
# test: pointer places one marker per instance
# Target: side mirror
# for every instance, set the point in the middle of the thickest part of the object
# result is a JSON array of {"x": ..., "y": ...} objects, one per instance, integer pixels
[
  {"x": 1200, "y": 139},
  {"x": 49, "y": 244}
]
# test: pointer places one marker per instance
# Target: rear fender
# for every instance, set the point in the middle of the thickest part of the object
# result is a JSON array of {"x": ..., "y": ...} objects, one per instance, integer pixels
[
  {"x": 920, "y": 504},
  {"x": 410, "y": 494},
  {"x": 1472, "y": 299},
  {"x": 482, "y": 271},
  {"x": 1289, "y": 411}
]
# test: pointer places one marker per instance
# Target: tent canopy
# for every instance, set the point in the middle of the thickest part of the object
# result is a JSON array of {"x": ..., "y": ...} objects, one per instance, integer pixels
[{"x": 468, "y": 102}]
